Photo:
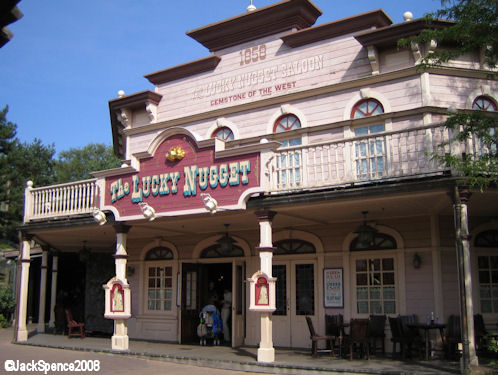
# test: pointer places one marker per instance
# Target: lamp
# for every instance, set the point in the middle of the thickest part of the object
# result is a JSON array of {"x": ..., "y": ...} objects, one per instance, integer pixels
[
  {"x": 148, "y": 212},
  {"x": 209, "y": 203},
  {"x": 417, "y": 261},
  {"x": 226, "y": 242},
  {"x": 365, "y": 232},
  {"x": 99, "y": 216}
]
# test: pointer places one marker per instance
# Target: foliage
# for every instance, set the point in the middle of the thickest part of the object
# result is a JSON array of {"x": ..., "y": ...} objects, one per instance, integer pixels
[
  {"x": 76, "y": 163},
  {"x": 472, "y": 29},
  {"x": 7, "y": 303}
]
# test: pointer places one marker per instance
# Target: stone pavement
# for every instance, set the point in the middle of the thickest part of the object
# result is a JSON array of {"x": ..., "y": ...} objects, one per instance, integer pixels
[{"x": 287, "y": 361}]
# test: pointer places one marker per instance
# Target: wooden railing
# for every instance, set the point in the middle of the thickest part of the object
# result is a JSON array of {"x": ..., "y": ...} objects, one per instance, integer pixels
[
  {"x": 70, "y": 199},
  {"x": 389, "y": 155}
]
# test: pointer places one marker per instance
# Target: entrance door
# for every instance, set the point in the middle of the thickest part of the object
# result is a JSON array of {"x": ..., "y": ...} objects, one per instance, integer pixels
[
  {"x": 190, "y": 302},
  {"x": 238, "y": 303},
  {"x": 295, "y": 299}
]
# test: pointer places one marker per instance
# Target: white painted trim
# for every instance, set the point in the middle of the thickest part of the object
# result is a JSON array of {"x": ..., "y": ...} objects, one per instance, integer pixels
[
  {"x": 220, "y": 123},
  {"x": 484, "y": 90},
  {"x": 366, "y": 93},
  {"x": 205, "y": 243},
  {"x": 301, "y": 235},
  {"x": 159, "y": 243}
]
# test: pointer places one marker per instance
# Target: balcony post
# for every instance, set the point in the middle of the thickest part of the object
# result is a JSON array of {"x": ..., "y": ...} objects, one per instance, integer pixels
[
  {"x": 43, "y": 290},
  {"x": 28, "y": 201},
  {"x": 23, "y": 261},
  {"x": 53, "y": 294}
]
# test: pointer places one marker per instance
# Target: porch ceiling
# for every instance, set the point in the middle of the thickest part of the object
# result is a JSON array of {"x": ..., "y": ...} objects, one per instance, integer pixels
[{"x": 292, "y": 211}]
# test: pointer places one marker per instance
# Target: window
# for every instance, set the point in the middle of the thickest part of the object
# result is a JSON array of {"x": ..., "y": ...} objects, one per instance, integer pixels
[
  {"x": 488, "y": 283},
  {"x": 293, "y": 246},
  {"x": 224, "y": 133},
  {"x": 380, "y": 241},
  {"x": 289, "y": 162},
  {"x": 280, "y": 272},
  {"x": 160, "y": 288},
  {"x": 217, "y": 251},
  {"x": 369, "y": 152},
  {"x": 483, "y": 103},
  {"x": 305, "y": 289},
  {"x": 488, "y": 238},
  {"x": 159, "y": 253},
  {"x": 375, "y": 285}
]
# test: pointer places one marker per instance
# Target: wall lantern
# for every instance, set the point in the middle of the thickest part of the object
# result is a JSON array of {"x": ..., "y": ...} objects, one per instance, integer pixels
[
  {"x": 365, "y": 232},
  {"x": 99, "y": 216},
  {"x": 148, "y": 212},
  {"x": 417, "y": 261},
  {"x": 226, "y": 242},
  {"x": 210, "y": 203}
]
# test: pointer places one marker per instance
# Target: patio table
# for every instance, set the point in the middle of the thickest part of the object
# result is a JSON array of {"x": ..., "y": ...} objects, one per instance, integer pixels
[{"x": 427, "y": 328}]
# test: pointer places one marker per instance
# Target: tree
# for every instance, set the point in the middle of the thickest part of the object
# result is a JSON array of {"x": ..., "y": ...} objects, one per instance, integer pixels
[
  {"x": 76, "y": 163},
  {"x": 475, "y": 30}
]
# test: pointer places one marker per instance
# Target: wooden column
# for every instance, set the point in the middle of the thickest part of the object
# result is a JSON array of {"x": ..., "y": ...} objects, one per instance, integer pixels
[
  {"x": 53, "y": 294},
  {"x": 266, "y": 351},
  {"x": 43, "y": 291},
  {"x": 23, "y": 261},
  {"x": 120, "y": 341}
]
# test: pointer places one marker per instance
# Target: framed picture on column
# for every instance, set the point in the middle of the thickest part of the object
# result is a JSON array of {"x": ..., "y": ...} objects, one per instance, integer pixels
[{"x": 333, "y": 288}]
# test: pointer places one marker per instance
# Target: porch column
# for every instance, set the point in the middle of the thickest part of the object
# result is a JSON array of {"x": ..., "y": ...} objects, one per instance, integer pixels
[
  {"x": 266, "y": 352},
  {"x": 120, "y": 336},
  {"x": 53, "y": 294},
  {"x": 469, "y": 357},
  {"x": 21, "y": 333},
  {"x": 43, "y": 290}
]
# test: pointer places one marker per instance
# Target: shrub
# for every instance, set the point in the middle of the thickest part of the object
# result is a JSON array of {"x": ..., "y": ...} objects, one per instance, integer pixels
[{"x": 7, "y": 304}]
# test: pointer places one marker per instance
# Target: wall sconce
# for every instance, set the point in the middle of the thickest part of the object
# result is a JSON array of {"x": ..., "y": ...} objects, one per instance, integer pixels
[
  {"x": 99, "y": 216},
  {"x": 209, "y": 203},
  {"x": 148, "y": 212},
  {"x": 417, "y": 261}
]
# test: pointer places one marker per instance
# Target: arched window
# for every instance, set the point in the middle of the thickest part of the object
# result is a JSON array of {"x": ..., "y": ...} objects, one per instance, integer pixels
[
  {"x": 218, "y": 251},
  {"x": 370, "y": 159},
  {"x": 293, "y": 246},
  {"x": 159, "y": 253},
  {"x": 484, "y": 103},
  {"x": 380, "y": 241},
  {"x": 488, "y": 238},
  {"x": 224, "y": 133},
  {"x": 286, "y": 122},
  {"x": 159, "y": 279},
  {"x": 366, "y": 108}
]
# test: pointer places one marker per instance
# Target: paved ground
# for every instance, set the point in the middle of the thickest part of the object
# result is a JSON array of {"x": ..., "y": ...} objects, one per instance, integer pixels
[{"x": 152, "y": 358}]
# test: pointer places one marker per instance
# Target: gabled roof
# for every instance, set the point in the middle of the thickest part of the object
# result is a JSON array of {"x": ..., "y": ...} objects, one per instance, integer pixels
[{"x": 283, "y": 16}]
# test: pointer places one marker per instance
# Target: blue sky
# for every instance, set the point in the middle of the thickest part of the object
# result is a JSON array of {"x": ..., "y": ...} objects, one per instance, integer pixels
[{"x": 69, "y": 58}]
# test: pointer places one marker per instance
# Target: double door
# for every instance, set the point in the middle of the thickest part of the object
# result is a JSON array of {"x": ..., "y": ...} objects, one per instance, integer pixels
[{"x": 295, "y": 298}]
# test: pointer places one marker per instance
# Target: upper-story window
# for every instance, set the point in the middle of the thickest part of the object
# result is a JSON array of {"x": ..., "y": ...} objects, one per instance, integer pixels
[
  {"x": 224, "y": 133},
  {"x": 367, "y": 107},
  {"x": 289, "y": 162},
  {"x": 484, "y": 103},
  {"x": 369, "y": 152},
  {"x": 159, "y": 279}
]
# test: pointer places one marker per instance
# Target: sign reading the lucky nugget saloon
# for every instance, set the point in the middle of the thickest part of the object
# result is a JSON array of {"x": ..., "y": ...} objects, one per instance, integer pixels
[{"x": 173, "y": 179}]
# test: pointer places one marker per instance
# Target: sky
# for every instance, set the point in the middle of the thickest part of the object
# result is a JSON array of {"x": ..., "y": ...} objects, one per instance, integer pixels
[{"x": 68, "y": 58}]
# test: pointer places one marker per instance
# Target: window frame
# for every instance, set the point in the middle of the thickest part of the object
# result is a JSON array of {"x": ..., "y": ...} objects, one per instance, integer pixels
[
  {"x": 369, "y": 113},
  {"x": 224, "y": 129}
]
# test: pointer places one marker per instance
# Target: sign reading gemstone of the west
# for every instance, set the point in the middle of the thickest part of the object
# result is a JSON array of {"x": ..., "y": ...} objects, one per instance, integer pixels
[{"x": 175, "y": 176}]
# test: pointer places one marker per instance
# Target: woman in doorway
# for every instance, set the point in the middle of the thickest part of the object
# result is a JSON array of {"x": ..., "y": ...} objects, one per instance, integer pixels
[{"x": 225, "y": 313}]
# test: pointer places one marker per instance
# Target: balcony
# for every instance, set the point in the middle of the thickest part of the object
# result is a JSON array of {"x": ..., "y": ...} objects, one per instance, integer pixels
[
  {"x": 361, "y": 160},
  {"x": 387, "y": 156}
]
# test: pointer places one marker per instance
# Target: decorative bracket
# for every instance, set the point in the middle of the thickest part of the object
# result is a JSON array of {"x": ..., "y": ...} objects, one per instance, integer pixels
[
  {"x": 151, "y": 109},
  {"x": 373, "y": 57},
  {"x": 124, "y": 117}
]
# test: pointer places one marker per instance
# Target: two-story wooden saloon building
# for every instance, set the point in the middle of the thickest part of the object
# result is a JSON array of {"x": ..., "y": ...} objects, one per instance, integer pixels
[{"x": 310, "y": 143}]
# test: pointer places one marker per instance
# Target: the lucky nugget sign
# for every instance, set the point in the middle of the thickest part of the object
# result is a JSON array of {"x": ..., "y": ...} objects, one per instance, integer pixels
[{"x": 173, "y": 179}]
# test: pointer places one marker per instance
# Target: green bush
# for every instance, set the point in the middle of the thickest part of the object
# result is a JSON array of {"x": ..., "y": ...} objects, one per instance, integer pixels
[
  {"x": 7, "y": 304},
  {"x": 3, "y": 322}
]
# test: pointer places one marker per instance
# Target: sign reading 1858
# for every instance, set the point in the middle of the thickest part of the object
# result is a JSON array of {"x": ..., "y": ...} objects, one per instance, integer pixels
[{"x": 266, "y": 81}]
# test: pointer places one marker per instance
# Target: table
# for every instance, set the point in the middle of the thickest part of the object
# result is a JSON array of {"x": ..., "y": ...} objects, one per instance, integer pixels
[{"x": 426, "y": 328}]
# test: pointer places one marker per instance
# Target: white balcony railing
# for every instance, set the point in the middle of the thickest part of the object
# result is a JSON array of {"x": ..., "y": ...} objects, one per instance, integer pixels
[
  {"x": 69, "y": 199},
  {"x": 362, "y": 159}
]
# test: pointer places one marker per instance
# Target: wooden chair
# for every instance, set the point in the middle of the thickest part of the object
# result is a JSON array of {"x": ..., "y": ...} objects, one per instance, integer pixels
[
  {"x": 405, "y": 340},
  {"x": 334, "y": 326},
  {"x": 480, "y": 333},
  {"x": 315, "y": 338},
  {"x": 358, "y": 337},
  {"x": 72, "y": 324},
  {"x": 376, "y": 332},
  {"x": 453, "y": 337}
]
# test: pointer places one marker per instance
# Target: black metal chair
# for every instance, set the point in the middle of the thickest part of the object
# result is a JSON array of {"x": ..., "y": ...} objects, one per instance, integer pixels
[
  {"x": 334, "y": 326},
  {"x": 406, "y": 340},
  {"x": 315, "y": 338}
]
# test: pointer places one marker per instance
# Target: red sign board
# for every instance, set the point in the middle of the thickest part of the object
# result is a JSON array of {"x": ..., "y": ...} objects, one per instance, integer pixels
[{"x": 174, "y": 178}]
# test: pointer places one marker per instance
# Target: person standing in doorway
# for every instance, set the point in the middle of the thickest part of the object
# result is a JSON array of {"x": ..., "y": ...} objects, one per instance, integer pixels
[{"x": 225, "y": 314}]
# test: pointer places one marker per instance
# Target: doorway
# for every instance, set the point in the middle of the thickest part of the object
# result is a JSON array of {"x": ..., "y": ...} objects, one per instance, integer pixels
[{"x": 202, "y": 284}]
